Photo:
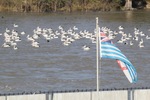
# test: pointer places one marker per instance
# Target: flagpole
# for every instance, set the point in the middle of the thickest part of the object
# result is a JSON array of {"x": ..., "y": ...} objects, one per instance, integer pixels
[{"x": 97, "y": 57}]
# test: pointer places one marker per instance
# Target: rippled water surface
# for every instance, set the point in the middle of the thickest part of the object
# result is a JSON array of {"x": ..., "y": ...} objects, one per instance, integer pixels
[{"x": 54, "y": 66}]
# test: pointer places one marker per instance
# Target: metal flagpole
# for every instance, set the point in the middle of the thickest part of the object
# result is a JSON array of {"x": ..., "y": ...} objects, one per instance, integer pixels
[{"x": 97, "y": 56}]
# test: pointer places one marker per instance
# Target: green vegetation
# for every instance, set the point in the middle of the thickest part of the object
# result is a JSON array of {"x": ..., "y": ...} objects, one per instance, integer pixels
[{"x": 58, "y": 5}]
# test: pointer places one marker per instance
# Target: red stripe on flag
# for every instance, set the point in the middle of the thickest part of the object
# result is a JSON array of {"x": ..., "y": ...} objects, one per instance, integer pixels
[
  {"x": 121, "y": 65},
  {"x": 103, "y": 34}
]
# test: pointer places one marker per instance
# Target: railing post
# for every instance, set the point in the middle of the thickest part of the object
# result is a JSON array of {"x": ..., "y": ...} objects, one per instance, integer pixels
[{"x": 131, "y": 94}]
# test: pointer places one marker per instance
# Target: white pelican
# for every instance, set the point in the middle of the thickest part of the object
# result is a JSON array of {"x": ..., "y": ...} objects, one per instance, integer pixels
[
  {"x": 75, "y": 28},
  {"x": 15, "y": 47},
  {"x": 15, "y": 25},
  {"x": 6, "y": 45},
  {"x": 115, "y": 32},
  {"x": 35, "y": 44},
  {"x": 136, "y": 38},
  {"x": 86, "y": 48},
  {"x": 142, "y": 34},
  {"x": 22, "y": 33},
  {"x": 60, "y": 28},
  {"x": 39, "y": 29},
  {"x": 35, "y": 36},
  {"x": 147, "y": 37},
  {"x": 141, "y": 45},
  {"x": 141, "y": 41},
  {"x": 13, "y": 43},
  {"x": 66, "y": 43},
  {"x": 30, "y": 38},
  {"x": 131, "y": 43},
  {"x": 77, "y": 36},
  {"x": 17, "y": 39},
  {"x": 129, "y": 35},
  {"x": 7, "y": 30},
  {"x": 57, "y": 33},
  {"x": 120, "y": 28}
]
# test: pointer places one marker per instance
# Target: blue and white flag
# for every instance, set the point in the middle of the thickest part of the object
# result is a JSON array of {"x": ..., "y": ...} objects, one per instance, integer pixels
[{"x": 109, "y": 50}]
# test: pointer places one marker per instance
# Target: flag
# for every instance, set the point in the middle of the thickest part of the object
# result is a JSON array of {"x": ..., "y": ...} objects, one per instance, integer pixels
[{"x": 110, "y": 51}]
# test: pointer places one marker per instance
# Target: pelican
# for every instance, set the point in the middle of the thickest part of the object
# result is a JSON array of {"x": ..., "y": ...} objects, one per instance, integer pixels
[
  {"x": 7, "y": 30},
  {"x": 35, "y": 36},
  {"x": 30, "y": 38},
  {"x": 119, "y": 41},
  {"x": 22, "y": 33},
  {"x": 115, "y": 32},
  {"x": 17, "y": 39},
  {"x": 57, "y": 33},
  {"x": 121, "y": 32},
  {"x": 141, "y": 41},
  {"x": 86, "y": 48},
  {"x": 39, "y": 29},
  {"x": 141, "y": 45},
  {"x": 142, "y": 34},
  {"x": 129, "y": 35},
  {"x": 131, "y": 43},
  {"x": 6, "y": 45},
  {"x": 13, "y": 43},
  {"x": 60, "y": 28},
  {"x": 75, "y": 28},
  {"x": 135, "y": 29},
  {"x": 147, "y": 37},
  {"x": 120, "y": 28},
  {"x": 35, "y": 44},
  {"x": 77, "y": 36},
  {"x": 66, "y": 43},
  {"x": 15, "y": 25},
  {"x": 15, "y": 47},
  {"x": 45, "y": 30},
  {"x": 14, "y": 33},
  {"x": 136, "y": 38}
]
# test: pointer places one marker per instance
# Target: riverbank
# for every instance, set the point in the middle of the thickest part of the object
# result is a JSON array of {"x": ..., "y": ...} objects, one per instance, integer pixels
[
  {"x": 58, "y": 6},
  {"x": 67, "y": 6}
]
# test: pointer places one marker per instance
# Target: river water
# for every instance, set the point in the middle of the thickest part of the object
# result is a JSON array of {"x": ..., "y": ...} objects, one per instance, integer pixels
[{"x": 54, "y": 66}]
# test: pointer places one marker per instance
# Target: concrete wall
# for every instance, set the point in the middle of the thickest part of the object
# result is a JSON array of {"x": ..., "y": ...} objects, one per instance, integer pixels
[
  {"x": 110, "y": 95},
  {"x": 72, "y": 96},
  {"x": 3, "y": 98},
  {"x": 27, "y": 97},
  {"x": 140, "y": 94}
]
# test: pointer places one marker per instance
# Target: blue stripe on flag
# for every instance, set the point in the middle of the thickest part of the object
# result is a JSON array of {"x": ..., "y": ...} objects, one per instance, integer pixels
[{"x": 109, "y": 50}]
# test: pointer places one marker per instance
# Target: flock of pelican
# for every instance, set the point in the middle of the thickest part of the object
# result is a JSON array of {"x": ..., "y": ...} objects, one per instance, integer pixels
[
  {"x": 12, "y": 37},
  {"x": 127, "y": 38}
]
